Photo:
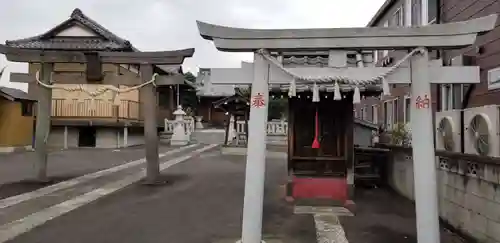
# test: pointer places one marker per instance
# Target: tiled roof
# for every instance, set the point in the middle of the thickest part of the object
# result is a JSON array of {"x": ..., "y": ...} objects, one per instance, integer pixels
[
  {"x": 108, "y": 40},
  {"x": 365, "y": 123},
  {"x": 15, "y": 94},
  {"x": 233, "y": 98}
]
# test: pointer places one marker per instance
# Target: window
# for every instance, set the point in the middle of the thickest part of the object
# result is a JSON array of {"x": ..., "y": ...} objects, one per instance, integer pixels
[
  {"x": 397, "y": 19},
  {"x": 390, "y": 113},
  {"x": 363, "y": 113},
  {"x": 26, "y": 108},
  {"x": 447, "y": 94},
  {"x": 395, "y": 113},
  {"x": 415, "y": 13},
  {"x": 433, "y": 8},
  {"x": 375, "y": 114},
  {"x": 387, "y": 117},
  {"x": 407, "y": 111},
  {"x": 451, "y": 96},
  {"x": 407, "y": 12},
  {"x": 385, "y": 52}
]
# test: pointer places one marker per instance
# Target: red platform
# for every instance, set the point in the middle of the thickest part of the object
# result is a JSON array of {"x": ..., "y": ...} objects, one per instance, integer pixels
[{"x": 319, "y": 188}]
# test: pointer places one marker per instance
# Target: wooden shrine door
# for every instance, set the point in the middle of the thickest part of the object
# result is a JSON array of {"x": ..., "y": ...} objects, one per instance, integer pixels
[{"x": 335, "y": 136}]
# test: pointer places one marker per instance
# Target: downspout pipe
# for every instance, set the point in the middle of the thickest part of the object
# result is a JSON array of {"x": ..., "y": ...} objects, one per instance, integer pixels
[{"x": 359, "y": 60}]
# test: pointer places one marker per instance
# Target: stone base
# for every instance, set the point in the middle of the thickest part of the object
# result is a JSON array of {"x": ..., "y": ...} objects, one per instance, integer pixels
[
  {"x": 235, "y": 150},
  {"x": 228, "y": 150},
  {"x": 239, "y": 241},
  {"x": 272, "y": 241}
]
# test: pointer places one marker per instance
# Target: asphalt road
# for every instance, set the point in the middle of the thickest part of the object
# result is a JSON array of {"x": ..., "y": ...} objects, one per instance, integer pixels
[{"x": 383, "y": 216}]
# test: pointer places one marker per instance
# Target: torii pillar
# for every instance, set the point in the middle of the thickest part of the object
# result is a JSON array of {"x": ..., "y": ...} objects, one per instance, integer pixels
[{"x": 421, "y": 74}]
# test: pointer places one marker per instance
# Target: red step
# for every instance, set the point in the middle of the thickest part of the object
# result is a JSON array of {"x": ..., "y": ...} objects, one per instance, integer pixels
[{"x": 333, "y": 188}]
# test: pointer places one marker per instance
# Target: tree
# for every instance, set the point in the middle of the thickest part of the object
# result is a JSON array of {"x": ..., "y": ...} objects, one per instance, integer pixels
[
  {"x": 278, "y": 108},
  {"x": 188, "y": 98}
]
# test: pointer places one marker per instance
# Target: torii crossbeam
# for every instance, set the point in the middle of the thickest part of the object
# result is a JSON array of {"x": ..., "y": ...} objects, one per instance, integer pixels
[
  {"x": 265, "y": 70},
  {"x": 146, "y": 61}
]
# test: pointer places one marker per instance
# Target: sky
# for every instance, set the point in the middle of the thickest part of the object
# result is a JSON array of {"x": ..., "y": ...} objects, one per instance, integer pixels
[{"x": 161, "y": 25}]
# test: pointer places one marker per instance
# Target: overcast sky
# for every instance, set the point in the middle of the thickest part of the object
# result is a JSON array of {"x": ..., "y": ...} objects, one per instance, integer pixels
[{"x": 155, "y": 25}]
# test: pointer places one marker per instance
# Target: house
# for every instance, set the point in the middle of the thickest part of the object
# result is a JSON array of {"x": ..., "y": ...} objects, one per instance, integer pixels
[
  {"x": 108, "y": 120},
  {"x": 395, "y": 108},
  {"x": 209, "y": 93},
  {"x": 485, "y": 53},
  {"x": 16, "y": 120},
  {"x": 465, "y": 114}
]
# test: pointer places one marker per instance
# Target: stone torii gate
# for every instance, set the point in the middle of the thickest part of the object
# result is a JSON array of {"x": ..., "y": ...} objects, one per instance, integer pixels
[
  {"x": 419, "y": 71},
  {"x": 94, "y": 61}
]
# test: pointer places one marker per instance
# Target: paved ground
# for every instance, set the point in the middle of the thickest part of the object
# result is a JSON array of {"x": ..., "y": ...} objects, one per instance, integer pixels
[
  {"x": 201, "y": 203},
  {"x": 383, "y": 216},
  {"x": 16, "y": 170}
]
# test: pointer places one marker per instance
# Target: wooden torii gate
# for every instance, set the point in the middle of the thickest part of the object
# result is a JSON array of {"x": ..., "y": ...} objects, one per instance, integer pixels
[
  {"x": 415, "y": 69},
  {"x": 94, "y": 61}
]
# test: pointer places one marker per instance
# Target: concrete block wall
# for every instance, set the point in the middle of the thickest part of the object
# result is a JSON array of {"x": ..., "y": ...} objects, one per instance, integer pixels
[
  {"x": 56, "y": 137},
  {"x": 469, "y": 193},
  {"x": 134, "y": 138},
  {"x": 107, "y": 138}
]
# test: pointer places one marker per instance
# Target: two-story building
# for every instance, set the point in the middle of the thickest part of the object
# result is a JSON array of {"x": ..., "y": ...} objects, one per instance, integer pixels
[
  {"x": 485, "y": 53},
  {"x": 208, "y": 93},
  {"x": 109, "y": 120},
  {"x": 395, "y": 108},
  {"x": 467, "y": 116}
]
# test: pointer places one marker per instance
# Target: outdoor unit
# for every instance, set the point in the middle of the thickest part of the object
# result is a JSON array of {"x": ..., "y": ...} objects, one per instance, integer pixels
[
  {"x": 448, "y": 130},
  {"x": 481, "y": 132}
]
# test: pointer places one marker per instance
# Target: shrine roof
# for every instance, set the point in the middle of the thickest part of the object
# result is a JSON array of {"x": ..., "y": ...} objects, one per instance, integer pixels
[
  {"x": 103, "y": 40},
  {"x": 366, "y": 123},
  {"x": 14, "y": 94},
  {"x": 236, "y": 98},
  {"x": 171, "y": 69}
]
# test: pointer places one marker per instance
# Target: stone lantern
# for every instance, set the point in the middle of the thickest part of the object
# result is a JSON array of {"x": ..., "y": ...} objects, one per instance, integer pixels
[
  {"x": 179, "y": 137},
  {"x": 198, "y": 125}
]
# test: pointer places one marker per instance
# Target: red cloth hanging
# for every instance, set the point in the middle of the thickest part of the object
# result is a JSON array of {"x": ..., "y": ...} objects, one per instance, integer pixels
[{"x": 315, "y": 144}]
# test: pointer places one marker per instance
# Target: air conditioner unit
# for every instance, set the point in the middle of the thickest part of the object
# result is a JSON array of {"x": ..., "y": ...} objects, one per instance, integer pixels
[
  {"x": 448, "y": 130},
  {"x": 481, "y": 133}
]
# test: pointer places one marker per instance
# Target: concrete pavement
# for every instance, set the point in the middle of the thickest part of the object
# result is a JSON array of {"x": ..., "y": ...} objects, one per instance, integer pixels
[
  {"x": 201, "y": 203},
  {"x": 16, "y": 170},
  {"x": 23, "y": 212}
]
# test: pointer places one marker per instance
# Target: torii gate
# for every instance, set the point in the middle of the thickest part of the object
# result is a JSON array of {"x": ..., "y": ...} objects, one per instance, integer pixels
[
  {"x": 267, "y": 69},
  {"x": 94, "y": 60}
]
